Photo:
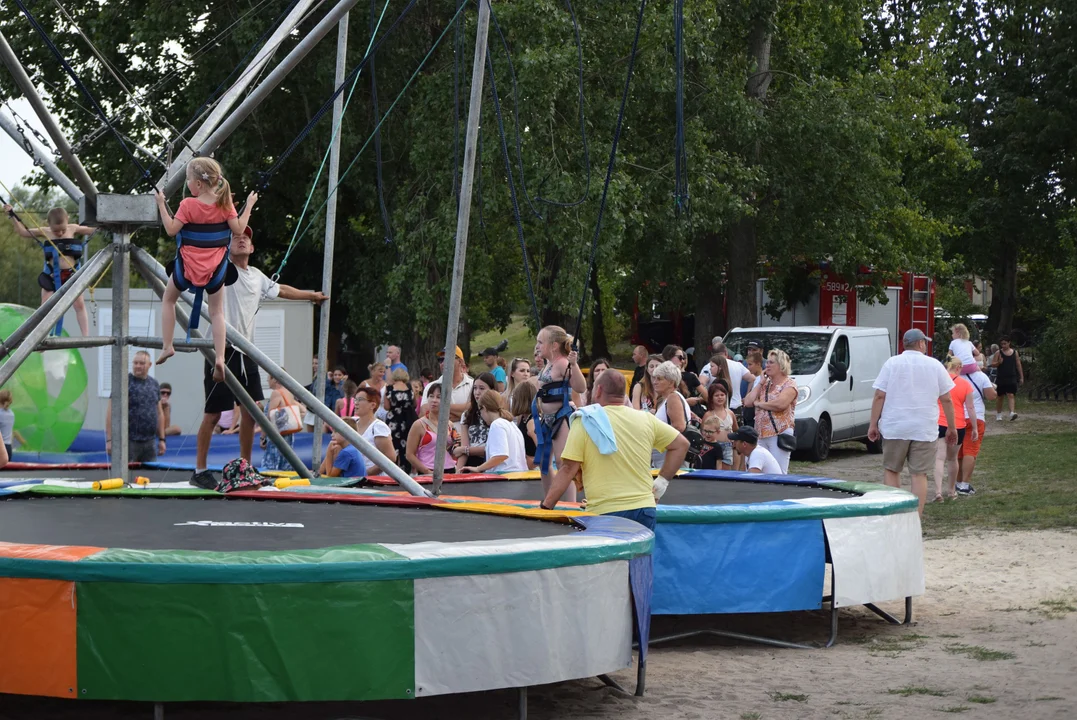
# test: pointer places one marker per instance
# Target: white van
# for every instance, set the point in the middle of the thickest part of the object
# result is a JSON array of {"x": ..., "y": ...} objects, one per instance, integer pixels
[{"x": 835, "y": 368}]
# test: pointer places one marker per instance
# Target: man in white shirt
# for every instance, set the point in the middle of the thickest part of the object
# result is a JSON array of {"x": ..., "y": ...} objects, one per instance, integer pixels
[
  {"x": 746, "y": 442},
  {"x": 982, "y": 390},
  {"x": 905, "y": 412},
  {"x": 705, "y": 374},
  {"x": 241, "y": 302},
  {"x": 461, "y": 385}
]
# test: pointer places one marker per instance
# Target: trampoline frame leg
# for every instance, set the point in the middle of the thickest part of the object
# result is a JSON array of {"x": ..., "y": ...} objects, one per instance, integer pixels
[
  {"x": 890, "y": 618},
  {"x": 158, "y": 711},
  {"x": 792, "y": 645},
  {"x": 521, "y": 703}
]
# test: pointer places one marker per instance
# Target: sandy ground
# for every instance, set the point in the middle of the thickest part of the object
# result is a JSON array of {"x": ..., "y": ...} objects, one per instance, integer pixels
[{"x": 995, "y": 636}]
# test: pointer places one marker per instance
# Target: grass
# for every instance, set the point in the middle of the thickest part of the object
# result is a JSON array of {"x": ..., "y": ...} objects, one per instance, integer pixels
[
  {"x": 522, "y": 344},
  {"x": 910, "y": 690},
  {"x": 978, "y": 652},
  {"x": 1056, "y": 609},
  {"x": 750, "y": 716},
  {"x": 1023, "y": 482},
  {"x": 785, "y": 697},
  {"x": 980, "y": 699},
  {"x": 955, "y": 709},
  {"x": 1048, "y": 698},
  {"x": 891, "y": 645}
]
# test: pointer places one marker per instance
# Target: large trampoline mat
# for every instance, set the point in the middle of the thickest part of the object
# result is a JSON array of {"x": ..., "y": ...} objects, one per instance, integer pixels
[
  {"x": 244, "y": 524},
  {"x": 503, "y": 489},
  {"x": 693, "y": 491}
]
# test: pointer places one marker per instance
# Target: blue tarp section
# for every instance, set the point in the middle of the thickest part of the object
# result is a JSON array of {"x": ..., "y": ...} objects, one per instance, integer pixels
[
  {"x": 738, "y": 567},
  {"x": 641, "y": 578},
  {"x": 89, "y": 447},
  {"x": 16, "y": 483}
]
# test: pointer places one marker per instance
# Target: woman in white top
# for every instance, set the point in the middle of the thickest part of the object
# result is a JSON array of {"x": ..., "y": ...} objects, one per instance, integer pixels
[
  {"x": 504, "y": 442},
  {"x": 672, "y": 407},
  {"x": 373, "y": 430}
]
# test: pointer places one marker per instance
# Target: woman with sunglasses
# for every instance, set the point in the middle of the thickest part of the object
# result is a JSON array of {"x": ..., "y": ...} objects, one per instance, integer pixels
[{"x": 775, "y": 402}]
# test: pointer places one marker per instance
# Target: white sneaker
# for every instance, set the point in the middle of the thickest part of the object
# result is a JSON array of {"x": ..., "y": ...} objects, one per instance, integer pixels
[{"x": 998, "y": 416}]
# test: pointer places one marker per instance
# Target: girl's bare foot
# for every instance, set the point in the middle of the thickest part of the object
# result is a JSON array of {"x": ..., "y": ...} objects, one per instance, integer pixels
[
  {"x": 218, "y": 371},
  {"x": 166, "y": 352}
]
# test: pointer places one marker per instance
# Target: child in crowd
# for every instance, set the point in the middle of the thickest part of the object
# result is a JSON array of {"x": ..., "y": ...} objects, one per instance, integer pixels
[
  {"x": 58, "y": 242},
  {"x": 963, "y": 349},
  {"x": 202, "y": 258},
  {"x": 342, "y": 459},
  {"x": 7, "y": 423},
  {"x": 345, "y": 407},
  {"x": 717, "y": 424}
]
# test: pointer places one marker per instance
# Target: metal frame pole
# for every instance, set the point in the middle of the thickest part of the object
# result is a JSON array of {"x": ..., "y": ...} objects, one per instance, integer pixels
[
  {"x": 262, "y": 91},
  {"x": 40, "y": 158},
  {"x": 330, "y": 234},
  {"x": 18, "y": 72},
  {"x": 75, "y": 343},
  {"x": 149, "y": 265},
  {"x": 234, "y": 93},
  {"x": 38, "y": 326},
  {"x": 463, "y": 220},
  {"x": 121, "y": 284},
  {"x": 238, "y": 391},
  {"x": 73, "y": 288}
]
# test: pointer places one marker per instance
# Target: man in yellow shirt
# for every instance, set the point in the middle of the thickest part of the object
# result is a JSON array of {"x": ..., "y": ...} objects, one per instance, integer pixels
[{"x": 617, "y": 470}]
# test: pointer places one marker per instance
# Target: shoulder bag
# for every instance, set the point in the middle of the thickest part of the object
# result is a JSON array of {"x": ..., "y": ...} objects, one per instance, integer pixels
[{"x": 786, "y": 442}]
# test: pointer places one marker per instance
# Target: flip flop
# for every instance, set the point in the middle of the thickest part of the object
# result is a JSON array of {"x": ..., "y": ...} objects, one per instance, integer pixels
[{"x": 938, "y": 498}]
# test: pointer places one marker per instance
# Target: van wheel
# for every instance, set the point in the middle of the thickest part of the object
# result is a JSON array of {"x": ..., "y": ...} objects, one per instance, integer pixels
[
  {"x": 820, "y": 449},
  {"x": 874, "y": 448}
]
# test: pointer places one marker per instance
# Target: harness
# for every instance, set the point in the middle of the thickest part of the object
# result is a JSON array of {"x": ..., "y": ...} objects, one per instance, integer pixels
[
  {"x": 207, "y": 236},
  {"x": 546, "y": 426},
  {"x": 70, "y": 247}
]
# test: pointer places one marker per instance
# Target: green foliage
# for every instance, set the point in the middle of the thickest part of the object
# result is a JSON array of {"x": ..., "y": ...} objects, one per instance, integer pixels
[{"x": 862, "y": 152}]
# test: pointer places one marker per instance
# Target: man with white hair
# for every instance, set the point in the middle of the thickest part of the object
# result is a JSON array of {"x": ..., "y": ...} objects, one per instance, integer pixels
[
  {"x": 145, "y": 416},
  {"x": 905, "y": 412}
]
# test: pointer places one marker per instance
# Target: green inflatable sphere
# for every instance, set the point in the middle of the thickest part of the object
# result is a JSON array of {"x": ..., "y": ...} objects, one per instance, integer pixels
[{"x": 48, "y": 391}]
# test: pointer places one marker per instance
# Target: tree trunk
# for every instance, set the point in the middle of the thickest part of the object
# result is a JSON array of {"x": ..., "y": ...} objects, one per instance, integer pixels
[
  {"x": 1004, "y": 300},
  {"x": 741, "y": 307},
  {"x": 599, "y": 346},
  {"x": 710, "y": 294}
]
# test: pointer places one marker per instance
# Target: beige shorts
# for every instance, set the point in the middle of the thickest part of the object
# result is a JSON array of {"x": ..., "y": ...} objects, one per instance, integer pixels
[{"x": 919, "y": 454}]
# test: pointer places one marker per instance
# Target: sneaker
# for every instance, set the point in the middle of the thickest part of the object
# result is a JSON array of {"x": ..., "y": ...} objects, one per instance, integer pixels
[
  {"x": 205, "y": 480},
  {"x": 965, "y": 489},
  {"x": 1013, "y": 416},
  {"x": 998, "y": 417}
]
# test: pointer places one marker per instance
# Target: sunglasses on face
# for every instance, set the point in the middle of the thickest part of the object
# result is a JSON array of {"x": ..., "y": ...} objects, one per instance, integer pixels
[
  {"x": 166, "y": 392},
  {"x": 681, "y": 357}
]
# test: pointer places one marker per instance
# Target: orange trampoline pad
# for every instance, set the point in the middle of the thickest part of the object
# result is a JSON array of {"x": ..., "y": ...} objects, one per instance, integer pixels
[{"x": 37, "y": 634}]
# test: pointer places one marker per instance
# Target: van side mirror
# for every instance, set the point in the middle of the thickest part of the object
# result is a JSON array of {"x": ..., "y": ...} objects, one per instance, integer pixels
[{"x": 838, "y": 372}]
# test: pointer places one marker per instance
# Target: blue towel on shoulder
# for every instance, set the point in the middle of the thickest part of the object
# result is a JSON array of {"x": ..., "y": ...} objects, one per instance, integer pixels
[{"x": 597, "y": 424}]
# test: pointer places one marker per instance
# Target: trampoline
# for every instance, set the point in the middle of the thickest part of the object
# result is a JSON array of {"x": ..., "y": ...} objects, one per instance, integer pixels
[
  {"x": 732, "y": 542},
  {"x": 172, "y": 593}
]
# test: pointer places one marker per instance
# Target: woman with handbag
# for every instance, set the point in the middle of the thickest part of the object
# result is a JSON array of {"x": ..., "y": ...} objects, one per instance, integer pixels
[
  {"x": 287, "y": 414},
  {"x": 775, "y": 400},
  {"x": 672, "y": 407}
]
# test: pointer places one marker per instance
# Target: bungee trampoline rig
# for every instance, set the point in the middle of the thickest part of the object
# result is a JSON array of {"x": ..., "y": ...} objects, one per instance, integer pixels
[{"x": 455, "y": 597}]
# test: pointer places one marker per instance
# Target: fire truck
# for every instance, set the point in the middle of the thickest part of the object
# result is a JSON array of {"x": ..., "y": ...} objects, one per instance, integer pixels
[{"x": 910, "y": 303}]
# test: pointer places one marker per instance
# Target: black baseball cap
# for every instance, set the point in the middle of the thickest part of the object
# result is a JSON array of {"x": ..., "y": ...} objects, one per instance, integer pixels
[
  {"x": 489, "y": 351},
  {"x": 745, "y": 433}
]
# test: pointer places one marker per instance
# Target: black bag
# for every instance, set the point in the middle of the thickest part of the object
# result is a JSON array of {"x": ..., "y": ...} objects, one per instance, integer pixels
[
  {"x": 786, "y": 442},
  {"x": 696, "y": 445}
]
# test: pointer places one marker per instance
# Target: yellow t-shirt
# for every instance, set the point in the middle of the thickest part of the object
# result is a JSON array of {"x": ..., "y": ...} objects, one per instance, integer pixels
[{"x": 622, "y": 480}]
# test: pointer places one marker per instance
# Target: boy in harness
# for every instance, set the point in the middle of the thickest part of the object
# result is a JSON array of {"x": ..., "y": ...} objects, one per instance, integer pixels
[
  {"x": 203, "y": 228},
  {"x": 560, "y": 375},
  {"x": 63, "y": 256}
]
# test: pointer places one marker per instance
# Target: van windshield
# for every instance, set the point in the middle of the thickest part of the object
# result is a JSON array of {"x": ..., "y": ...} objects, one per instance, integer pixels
[{"x": 806, "y": 351}]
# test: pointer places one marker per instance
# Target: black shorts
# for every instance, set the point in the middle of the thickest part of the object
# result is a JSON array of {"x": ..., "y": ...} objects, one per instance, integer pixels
[
  {"x": 47, "y": 283},
  {"x": 960, "y": 434},
  {"x": 1007, "y": 387},
  {"x": 219, "y": 397}
]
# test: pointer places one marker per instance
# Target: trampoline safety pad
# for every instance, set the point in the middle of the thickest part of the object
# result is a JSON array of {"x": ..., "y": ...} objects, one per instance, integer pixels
[{"x": 153, "y": 596}]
